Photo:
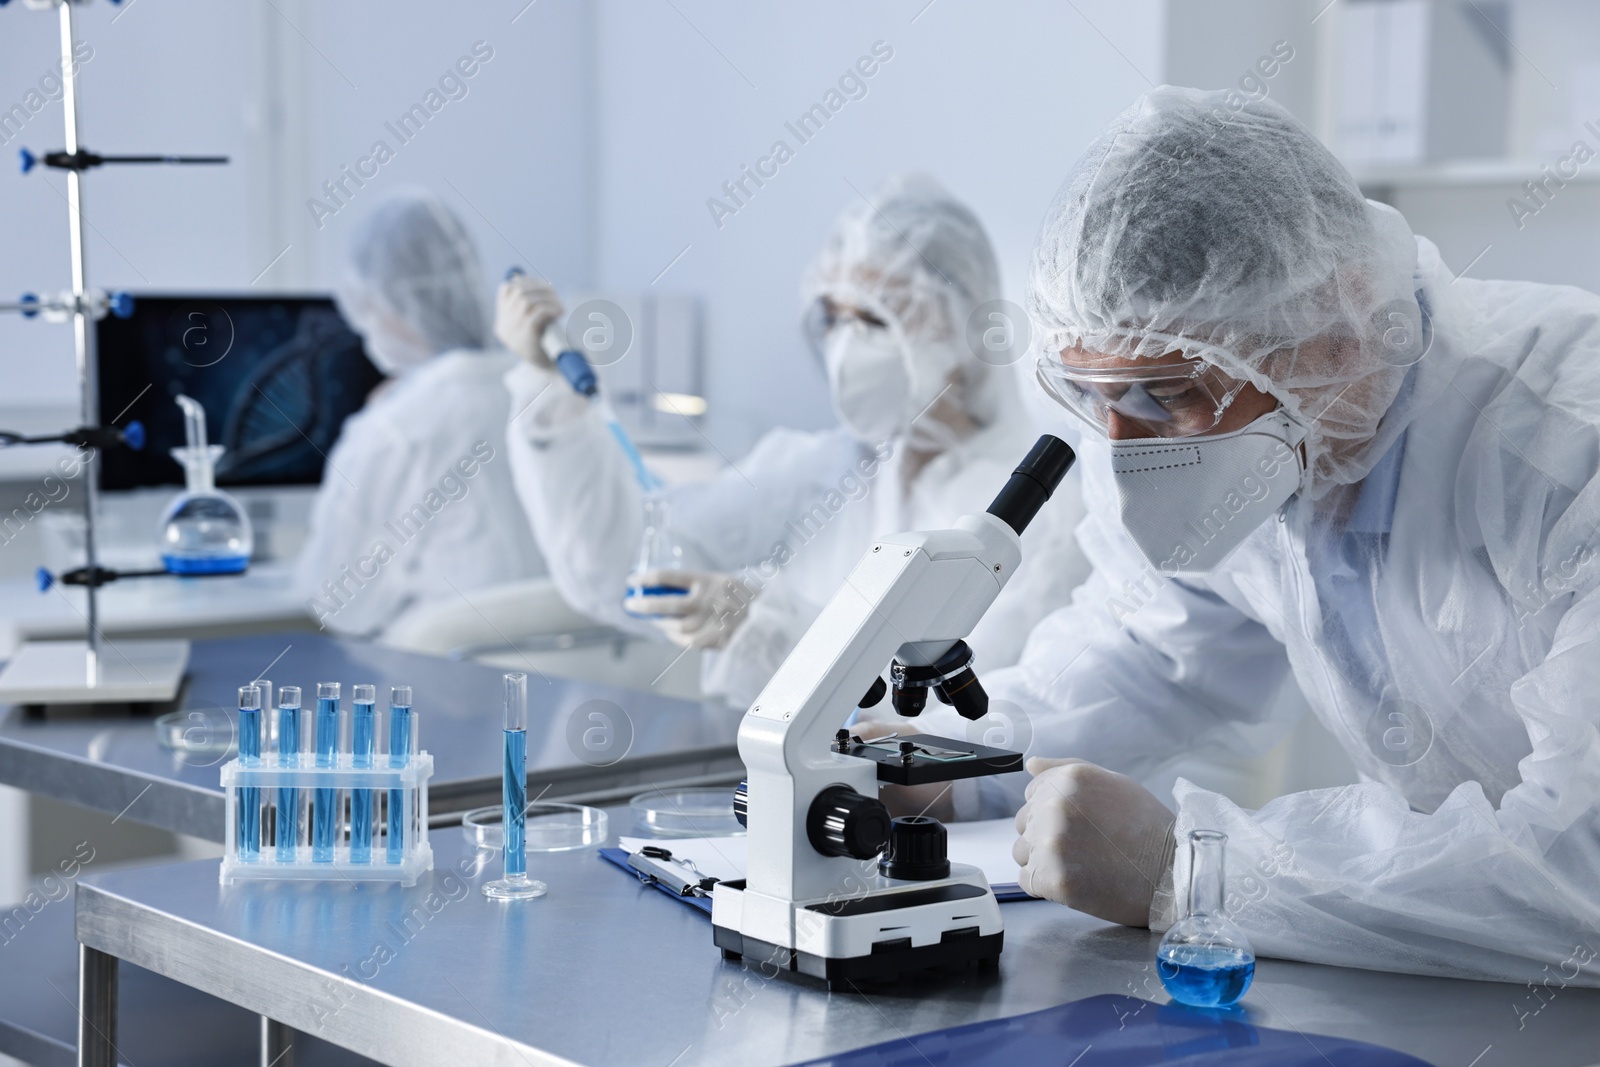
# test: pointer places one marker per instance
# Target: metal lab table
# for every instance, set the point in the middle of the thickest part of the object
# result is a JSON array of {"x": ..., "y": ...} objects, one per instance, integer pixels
[
  {"x": 38, "y": 986},
  {"x": 606, "y": 971},
  {"x": 583, "y": 739}
]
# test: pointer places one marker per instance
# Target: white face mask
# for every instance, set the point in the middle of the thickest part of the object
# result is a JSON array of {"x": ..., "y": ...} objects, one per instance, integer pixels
[
  {"x": 389, "y": 341},
  {"x": 1188, "y": 502},
  {"x": 869, "y": 381}
]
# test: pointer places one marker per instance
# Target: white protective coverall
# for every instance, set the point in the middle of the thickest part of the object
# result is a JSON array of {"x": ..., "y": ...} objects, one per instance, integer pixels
[
  {"x": 794, "y": 516},
  {"x": 1435, "y": 589},
  {"x": 416, "y": 503}
]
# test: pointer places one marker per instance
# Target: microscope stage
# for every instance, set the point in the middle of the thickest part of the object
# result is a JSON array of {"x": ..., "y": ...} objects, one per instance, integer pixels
[{"x": 933, "y": 759}]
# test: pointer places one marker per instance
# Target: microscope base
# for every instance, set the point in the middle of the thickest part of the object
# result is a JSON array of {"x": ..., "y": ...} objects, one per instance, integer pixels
[{"x": 898, "y": 929}]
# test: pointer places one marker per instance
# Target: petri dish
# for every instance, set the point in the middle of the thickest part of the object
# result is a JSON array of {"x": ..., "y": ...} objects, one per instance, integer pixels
[
  {"x": 686, "y": 813},
  {"x": 551, "y": 827},
  {"x": 197, "y": 732}
]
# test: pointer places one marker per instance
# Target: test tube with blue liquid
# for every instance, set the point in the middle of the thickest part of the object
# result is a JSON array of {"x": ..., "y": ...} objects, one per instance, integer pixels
[
  {"x": 286, "y": 815},
  {"x": 515, "y": 885},
  {"x": 248, "y": 833},
  {"x": 324, "y": 802},
  {"x": 363, "y": 747},
  {"x": 402, "y": 739}
]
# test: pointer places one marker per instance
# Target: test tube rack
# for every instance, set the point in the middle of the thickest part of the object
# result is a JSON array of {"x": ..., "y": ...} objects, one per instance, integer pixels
[{"x": 369, "y": 803}]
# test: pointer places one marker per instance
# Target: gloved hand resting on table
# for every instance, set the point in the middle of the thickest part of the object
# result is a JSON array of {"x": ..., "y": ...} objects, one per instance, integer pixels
[{"x": 1093, "y": 840}]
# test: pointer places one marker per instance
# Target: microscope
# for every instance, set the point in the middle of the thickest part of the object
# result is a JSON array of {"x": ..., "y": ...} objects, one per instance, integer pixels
[{"x": 834, "y": 888}]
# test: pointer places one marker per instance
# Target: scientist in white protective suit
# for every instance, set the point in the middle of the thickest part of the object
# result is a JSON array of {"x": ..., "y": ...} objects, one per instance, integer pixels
[
  {"x": 928, "y": 431},
  {"x": 416, "y": 507},
  {"x": 1315, "y": 450}
]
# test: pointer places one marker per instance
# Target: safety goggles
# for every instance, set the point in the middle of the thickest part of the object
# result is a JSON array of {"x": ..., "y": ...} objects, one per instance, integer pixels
[
  {"x": 1160, "y": 400},
  {"x": 824, "y": 314}
]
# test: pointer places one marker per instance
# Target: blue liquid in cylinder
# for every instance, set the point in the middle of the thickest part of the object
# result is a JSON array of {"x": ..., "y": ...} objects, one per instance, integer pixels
[
  {"x": 363, "y": 729},
  {"x": 287, "y": 821},
  {"x": 399, "y": 756},
  {"x": 514, "y": 794},
  {"x": 324, "y": 802},
  {"x": 1205, "y": 976},
  {"x": 249, "y": 823}
]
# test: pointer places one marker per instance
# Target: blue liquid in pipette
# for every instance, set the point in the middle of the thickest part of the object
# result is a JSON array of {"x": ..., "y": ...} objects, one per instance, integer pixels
[
  {"x": 363, "y": 736},
  {"x": 514, "y": 795},
  {"x": 287, "y": 822},
  {"x": 324, "y": 801},
  {"x": 1205, "y": 977},
  {"x": 249, "y": 823},
  {"x": 399, "y": 756}
]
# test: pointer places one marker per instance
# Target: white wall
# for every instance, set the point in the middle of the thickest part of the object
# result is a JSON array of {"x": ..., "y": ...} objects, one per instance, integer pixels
[
  {"x": 585, "y": 149},
  {"x": 290, "y": 89},
  {"x": 161, "y": 78},
  {"x": 995, "y": 100}
]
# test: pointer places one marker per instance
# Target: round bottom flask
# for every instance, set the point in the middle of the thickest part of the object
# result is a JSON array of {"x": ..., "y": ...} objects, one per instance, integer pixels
[{"x": 1205, "y": 961}]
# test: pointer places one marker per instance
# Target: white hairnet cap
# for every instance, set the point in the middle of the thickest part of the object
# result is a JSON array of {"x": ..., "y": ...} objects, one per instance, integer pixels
[
  {"x": 919, "y": 258},
  {"x": 1231, "y": 234},
  {"x": 413, "y": 283}
]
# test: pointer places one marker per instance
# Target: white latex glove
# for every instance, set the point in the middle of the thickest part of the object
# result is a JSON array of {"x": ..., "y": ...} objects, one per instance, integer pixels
[
  {"x": 1093, "y": 840},
  {"x": 524, "y": 307},
  {"x": 935, "y": 798},
  {"x": 703, "y": 617}
]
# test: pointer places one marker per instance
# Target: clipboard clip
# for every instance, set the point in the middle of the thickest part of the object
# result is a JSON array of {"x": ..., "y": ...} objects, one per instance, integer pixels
[{"x": 654, "y": 866}]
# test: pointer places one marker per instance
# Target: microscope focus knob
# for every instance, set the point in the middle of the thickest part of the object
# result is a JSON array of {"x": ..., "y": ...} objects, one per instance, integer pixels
[
  {"x": 842, "y": 822},
  {"x": 918, "y": 850}
]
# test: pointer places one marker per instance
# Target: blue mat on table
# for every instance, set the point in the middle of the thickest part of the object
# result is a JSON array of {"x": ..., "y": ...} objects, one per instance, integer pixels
[
  {"x": 1110, "y": 1030},
  {"x": 1119, "y": 1031}
]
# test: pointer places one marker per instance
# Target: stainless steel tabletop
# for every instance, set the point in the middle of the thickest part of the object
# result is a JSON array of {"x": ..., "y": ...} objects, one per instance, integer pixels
[
  {"x": 583, "y": 739},
  {"x": 606, "y": 971}
]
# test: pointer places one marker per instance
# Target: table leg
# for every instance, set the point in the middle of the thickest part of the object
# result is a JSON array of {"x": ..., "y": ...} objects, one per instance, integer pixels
[
  {"x": 277, "y": 1044},
  {"x": 97, "y": 1008}
]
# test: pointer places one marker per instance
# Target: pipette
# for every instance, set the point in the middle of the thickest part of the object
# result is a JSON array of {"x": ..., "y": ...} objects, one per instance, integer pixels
[{"x": 575, "y": 368}]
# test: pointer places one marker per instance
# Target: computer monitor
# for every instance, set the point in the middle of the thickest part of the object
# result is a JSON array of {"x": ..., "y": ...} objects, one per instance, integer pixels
[{"x": 277, "y": 375}]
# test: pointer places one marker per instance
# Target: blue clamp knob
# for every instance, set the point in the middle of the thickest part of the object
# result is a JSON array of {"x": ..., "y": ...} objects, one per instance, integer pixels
[
  {"x": 121, "y": 305},
  {"x": 29, "y": 160},
  {"x": 44, "y": 579},
  {"x": 30, "y": 305},
  {"x": 133, "y": 436}
]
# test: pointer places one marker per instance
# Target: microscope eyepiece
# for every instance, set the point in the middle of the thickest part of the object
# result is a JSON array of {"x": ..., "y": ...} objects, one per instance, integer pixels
[{"x": 1031, "y": 484}]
